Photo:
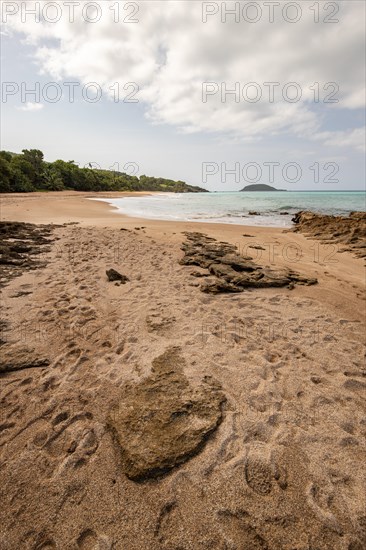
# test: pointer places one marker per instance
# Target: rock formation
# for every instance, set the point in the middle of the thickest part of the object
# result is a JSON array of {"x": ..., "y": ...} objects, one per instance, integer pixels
[
  {"x": 164, "y": 420},
  {"x": 114, "y": 275},
  {"x": 21, "y": 247},
  {"x": 349, "y": 232},
  {"x": 232, "y": 272}
]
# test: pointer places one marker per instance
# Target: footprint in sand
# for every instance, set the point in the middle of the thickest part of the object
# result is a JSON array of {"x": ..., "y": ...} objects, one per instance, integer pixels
[
  {"x": 273, "y": 357},
  {"x": 319, "y": 505},
  {"x": 89, "y": 540},
  {"x": 236, "y": 525},
  {"x": 78, "y": 441},
  {"x": 47, "y": 544},
  {"x": 159, "y": 323},
  {"x": 258, "y": 475},
  {"x": 71, "y": 439},
  {"x": 164, "y": 521}
]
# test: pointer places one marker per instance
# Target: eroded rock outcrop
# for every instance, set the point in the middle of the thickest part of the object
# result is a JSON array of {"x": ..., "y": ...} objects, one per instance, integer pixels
[
  {"x": 18, "y": 356},
  {"x": 22, "y": 246},
  {"x": 349, "y": 232},
  {"x": 232, "y": 272},
  {"x": 164, "y": 420}
]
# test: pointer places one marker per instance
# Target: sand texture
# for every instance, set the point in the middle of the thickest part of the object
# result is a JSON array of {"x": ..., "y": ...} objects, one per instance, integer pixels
[{"x": 143, "y": 413}]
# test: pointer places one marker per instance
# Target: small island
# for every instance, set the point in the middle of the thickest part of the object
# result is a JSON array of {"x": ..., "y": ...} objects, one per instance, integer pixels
[{"x": 260, "y": 187}]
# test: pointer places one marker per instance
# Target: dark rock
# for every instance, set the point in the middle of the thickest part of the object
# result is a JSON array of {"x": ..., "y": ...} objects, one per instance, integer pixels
[
  {"x": 18, "y": 364},
  {"x": 253, "y": 213},
  {"x": 348, "y": 232},
  {"x": 239, "y": 263},
  {"x": 198, "y": 274},
  {"x": 232, "y": 272},
  {"x": 163, "y": 421},
  {"x": 21, "y": 293},
  {"x": 217, "y": 287},
  {"x": 21, "y": 248},
  {"x": 223, "y": 271},
  {"x": 113, "y": 275}
]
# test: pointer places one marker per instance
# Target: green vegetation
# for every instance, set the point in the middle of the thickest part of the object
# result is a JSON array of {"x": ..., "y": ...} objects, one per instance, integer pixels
[{"x": 29, "y": 172}]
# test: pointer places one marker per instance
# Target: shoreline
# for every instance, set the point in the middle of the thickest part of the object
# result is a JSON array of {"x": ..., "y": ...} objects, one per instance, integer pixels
[
  {"x": 170, "y": 220},
  {"x": 269, "y": 246},
  {"x": 70, "y": 206}
]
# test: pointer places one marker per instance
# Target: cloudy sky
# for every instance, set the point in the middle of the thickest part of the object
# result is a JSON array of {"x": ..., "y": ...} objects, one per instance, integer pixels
[{"x": 219, "y": 94}]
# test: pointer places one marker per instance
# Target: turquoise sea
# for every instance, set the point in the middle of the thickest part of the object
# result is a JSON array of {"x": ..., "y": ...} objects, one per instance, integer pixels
[{"x": 273, "y": 208}]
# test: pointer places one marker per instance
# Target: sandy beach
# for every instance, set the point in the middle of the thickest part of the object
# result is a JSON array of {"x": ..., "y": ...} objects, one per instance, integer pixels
[{"x": 153, "y": 415}]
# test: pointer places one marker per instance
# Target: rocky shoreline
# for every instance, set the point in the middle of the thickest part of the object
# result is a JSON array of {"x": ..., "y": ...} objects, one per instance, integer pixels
[{"x": 347, "y": 231}]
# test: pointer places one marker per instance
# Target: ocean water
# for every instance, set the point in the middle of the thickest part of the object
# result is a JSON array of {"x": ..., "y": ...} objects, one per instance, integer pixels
[{"x": 274, "y": 209}]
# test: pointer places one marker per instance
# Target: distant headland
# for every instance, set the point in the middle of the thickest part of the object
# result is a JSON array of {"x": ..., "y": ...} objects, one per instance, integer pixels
[
  {"x": 28, "y": 171},
  {"x": 261, "y": 187}
]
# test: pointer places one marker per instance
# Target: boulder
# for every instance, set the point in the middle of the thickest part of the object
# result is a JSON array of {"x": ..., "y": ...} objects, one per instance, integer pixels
[
  {"x": 162, "y": 421},
  {"x": 113, "y": 275}
]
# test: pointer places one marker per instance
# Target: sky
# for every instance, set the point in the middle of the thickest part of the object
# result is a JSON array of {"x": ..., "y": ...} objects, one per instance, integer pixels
[{"x": 217, "y": 94}]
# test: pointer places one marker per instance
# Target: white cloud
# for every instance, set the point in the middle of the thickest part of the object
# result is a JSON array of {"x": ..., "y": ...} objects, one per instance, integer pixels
[
  {"x": 29, "y": 106},
  {"x": 170, "y": 52},
  {"x": 355, "y": 138}
]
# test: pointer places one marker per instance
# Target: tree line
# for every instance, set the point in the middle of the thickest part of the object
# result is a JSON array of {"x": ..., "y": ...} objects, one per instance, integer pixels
[{"x": 28, "y": 171}]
